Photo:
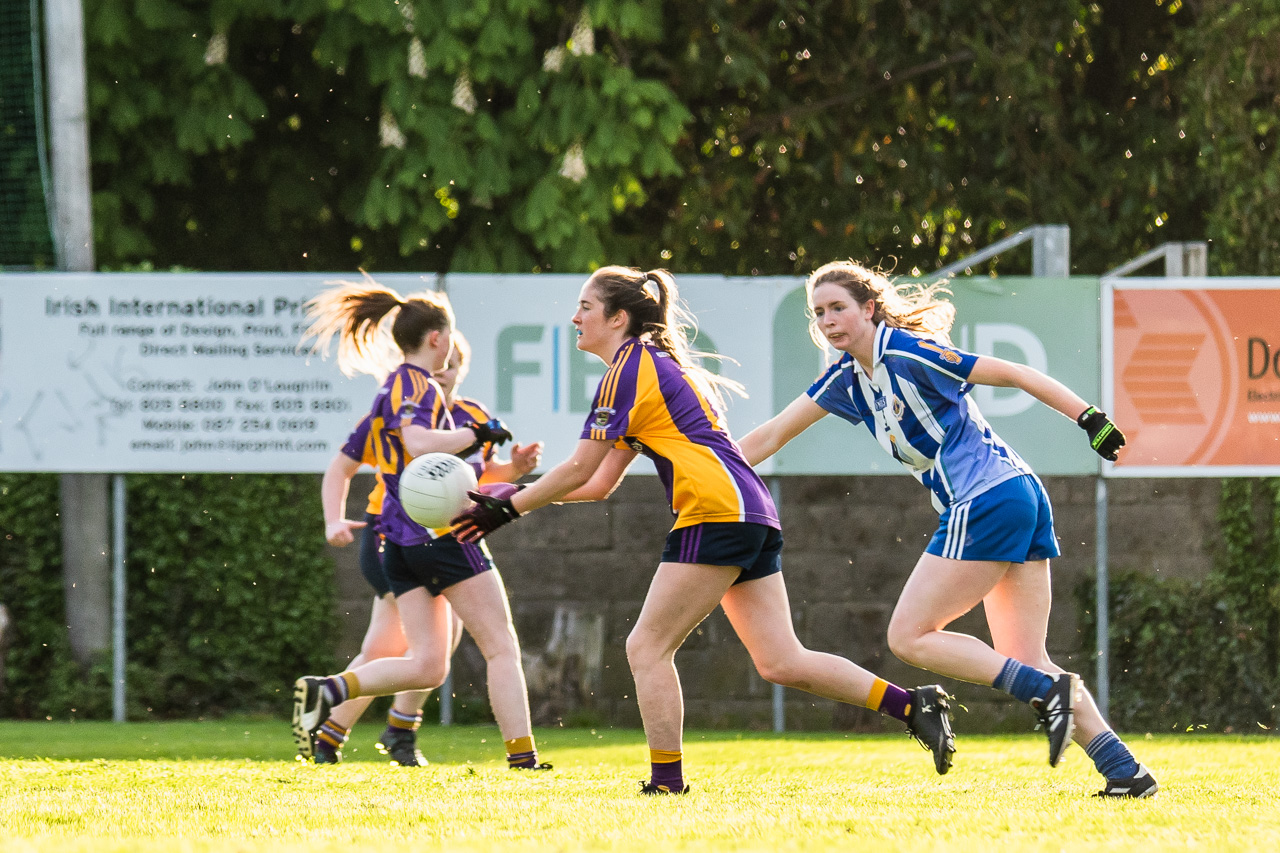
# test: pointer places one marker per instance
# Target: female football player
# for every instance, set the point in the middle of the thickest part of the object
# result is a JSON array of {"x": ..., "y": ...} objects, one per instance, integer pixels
[
  {"x": 899, "y": 375},
  {"x": 384, "y": 637},
  {"x": 725, "y": 548},
  {"x": 431, "y": 574}
]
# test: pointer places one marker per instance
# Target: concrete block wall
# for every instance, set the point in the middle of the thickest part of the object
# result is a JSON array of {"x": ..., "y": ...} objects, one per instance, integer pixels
[{"x": 850, "y": 545}]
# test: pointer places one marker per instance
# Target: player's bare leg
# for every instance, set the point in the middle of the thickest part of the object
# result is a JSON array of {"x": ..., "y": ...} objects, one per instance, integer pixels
[
  {"x": 1018, "y": 616},
  {"x": 760, "y": 613},
  {"x": 481, "y": 604},
  {"x": 938, "y": 592},
  {"x": 680, "y": 596}
]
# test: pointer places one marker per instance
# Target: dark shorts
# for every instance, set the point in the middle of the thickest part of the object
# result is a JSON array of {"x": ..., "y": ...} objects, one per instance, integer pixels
[
  {"x": 371, "y": 558},
  {"x": 1009, "y": 523},
  {"x": 436, "y": 565},
  {"x": 755, "y": 548}
]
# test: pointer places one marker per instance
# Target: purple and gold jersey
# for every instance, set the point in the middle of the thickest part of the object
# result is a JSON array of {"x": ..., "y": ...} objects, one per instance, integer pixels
[
  {"x": 359, "y": 447},
  {"x": 916, "y": 403},
  {"x": 409, "y": 396},
  {"x": 466, "y": 411},
  {"x": 649, "y": 403}
]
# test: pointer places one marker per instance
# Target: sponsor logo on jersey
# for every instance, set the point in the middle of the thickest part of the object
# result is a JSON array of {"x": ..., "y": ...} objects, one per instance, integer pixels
[
  {"x": 603, "y": 415},
  {"x": 947, "y": 355},
  {"x": 881, "y": 402}
]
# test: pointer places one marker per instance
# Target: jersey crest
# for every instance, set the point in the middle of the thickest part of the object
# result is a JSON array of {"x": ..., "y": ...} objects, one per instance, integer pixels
[{"x": 603, "y": 415}]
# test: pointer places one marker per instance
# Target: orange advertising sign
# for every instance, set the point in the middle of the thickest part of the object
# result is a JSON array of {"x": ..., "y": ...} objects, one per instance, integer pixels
[{"x": 1194, "y": 373}]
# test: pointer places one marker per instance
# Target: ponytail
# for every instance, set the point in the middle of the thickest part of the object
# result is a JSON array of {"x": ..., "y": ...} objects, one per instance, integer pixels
[
  {"x": 656, "y": 315},
  {"x": 374, "y": 325}
]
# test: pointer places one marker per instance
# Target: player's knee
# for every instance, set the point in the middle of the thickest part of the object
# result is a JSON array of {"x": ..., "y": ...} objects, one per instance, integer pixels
[
  {"x": 642, "y": 651},
  {"x": 783, "y": 670},
  {"x": 904, "y": 642},
  {"x": 499, "y": 644},
  {"x": 429, "y": 674}
]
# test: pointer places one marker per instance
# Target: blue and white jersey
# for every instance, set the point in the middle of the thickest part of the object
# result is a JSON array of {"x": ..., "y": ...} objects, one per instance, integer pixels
[{"x": 916, "y": 403}]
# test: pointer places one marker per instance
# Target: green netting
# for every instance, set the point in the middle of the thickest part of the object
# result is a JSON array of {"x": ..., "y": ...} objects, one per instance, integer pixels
[{"x": 25, "y": 239}]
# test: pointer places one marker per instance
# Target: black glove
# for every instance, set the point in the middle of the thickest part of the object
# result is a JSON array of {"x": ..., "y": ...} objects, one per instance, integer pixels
[
  {"x": 487, "y": 514},
  {"x": 1104, "y": 436},
  {"x": 493, "y": 430}
]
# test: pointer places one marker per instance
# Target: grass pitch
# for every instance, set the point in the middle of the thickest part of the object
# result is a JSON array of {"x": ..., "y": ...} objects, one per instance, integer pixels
[{"x": 232, "y": 785}]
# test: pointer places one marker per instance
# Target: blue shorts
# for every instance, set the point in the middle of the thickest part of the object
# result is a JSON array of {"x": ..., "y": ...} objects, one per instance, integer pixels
[
  {"x": 436, "y": 565},
  {"x": 1009, "y": 523},
  {"x": 371, "y": 557},
  {"x": 755, "y": 548}
]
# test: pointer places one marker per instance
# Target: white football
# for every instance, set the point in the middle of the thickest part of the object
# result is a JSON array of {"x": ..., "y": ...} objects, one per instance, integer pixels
[{"x": 433, "y": 488}]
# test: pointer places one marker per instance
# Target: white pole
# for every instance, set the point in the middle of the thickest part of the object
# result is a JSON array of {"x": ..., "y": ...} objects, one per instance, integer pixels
[
  {"x": 1103, "y": 692},
  {"x": 118, "y": 590},
  {"x": 779, "y": 697},
  {"x": 68, "y": 134},
  {"x": 446, "y": 700}
]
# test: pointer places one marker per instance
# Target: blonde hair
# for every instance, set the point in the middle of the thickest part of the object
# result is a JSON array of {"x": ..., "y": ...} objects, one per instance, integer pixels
[
  {"x": 653, "y": 306},
  {"x": 375, "y": 326},
  {"x": 912, "y": 306}
]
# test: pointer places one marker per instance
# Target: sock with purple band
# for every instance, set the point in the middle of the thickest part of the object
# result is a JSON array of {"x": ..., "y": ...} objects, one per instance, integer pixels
[
  {"x": 522, "y": 753},
  {"x": 330, "y": 739},
  {"x": 666, "y": 769},
  {"x": 889, "y": 699}
]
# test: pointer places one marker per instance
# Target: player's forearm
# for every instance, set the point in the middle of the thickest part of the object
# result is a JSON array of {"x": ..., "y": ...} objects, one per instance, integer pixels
[
  {"x": 989, "y": 370},
  {"x": 1051, "y": 392},
  {"x": 420, "y": 440},
  {"x": 759, "y": 444},
  {"x": 334, "y": 487},
  {"x": 553, "y": 486}
]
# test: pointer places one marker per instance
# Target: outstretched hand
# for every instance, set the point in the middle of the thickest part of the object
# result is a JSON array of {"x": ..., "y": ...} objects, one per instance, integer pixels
[
  {"x": 1104, "y": 436},
  {"x": 338, "y": 533},
  {"x": 526, "y": 457},
  {"x": 491, "y": 510}
]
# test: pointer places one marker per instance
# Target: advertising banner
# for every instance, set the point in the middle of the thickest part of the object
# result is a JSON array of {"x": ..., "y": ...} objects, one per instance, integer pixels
[
  {"x": 201, "y": 372},
  {"x": 181, "y": 373},
  {"x": 1193, "y": 375}
]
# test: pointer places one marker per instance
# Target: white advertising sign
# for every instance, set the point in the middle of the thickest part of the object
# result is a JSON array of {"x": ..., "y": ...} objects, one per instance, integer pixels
[
  {"x": 187, "y": 373},
  {"x": 123, "y": 373},
  {"x": 155, "y": 372}
]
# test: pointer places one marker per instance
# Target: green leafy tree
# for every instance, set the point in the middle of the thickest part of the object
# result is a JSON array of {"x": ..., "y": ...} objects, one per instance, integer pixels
[
  {"x": 1233, "y": 113},
  {"x": 513, "y": 135},
  {"x": 500, "y": 134},
  {"x": 913, "y": 133}
]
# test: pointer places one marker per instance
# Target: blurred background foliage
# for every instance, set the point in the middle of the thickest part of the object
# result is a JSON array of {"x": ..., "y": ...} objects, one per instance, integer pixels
[
  {"x": 226, "y": 603},
  {"x": 711, "y": 136}
]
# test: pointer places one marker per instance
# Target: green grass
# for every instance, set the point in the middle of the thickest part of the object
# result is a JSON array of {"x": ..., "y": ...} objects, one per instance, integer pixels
[{"x": 231, "y": 785}]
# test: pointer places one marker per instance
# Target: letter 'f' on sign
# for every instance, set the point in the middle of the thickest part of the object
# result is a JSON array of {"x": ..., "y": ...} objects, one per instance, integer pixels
[{"x": 508, "y": 367}]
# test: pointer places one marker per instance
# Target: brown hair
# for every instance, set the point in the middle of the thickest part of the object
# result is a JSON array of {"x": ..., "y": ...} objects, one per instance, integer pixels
[
  {"x": 461, "y": 348},
  {"x": 915, "y": 307},
  {"x": 375, "y": 326},
  {"x": 653, "y": 306}
]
